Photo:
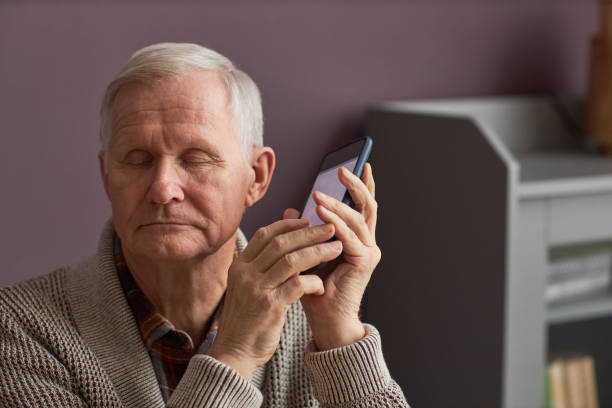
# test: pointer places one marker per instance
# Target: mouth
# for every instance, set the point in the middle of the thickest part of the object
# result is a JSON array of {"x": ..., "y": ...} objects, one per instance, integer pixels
[{"x": 165, "y": 224}]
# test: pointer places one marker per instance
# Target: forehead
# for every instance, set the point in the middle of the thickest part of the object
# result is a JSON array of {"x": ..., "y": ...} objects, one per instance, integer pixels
[{"x": 196, "y": 98}]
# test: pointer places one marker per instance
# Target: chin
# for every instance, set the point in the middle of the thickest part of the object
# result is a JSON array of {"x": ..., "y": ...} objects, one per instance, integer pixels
[
  {"x": 169, "y": 252},
  {"x": 176, "y": 245}
]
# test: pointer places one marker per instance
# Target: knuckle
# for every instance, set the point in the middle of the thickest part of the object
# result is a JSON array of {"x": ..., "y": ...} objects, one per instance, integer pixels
[
  {"x": 261, "y": 233},
  {"x": 290, "y": 260},
  {"x": 314, "y": 233},
  {"x": 374, "y": 205},
  {"x": 268, "y": 301},
  {"x": 277, "y": 243},
  {"x": 297, "y": 286}
]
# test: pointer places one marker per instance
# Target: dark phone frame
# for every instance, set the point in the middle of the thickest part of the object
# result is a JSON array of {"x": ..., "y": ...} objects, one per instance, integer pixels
[{"x": 361, "y": 146}]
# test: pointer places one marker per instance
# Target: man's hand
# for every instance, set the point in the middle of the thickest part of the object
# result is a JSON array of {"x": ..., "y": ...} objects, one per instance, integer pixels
[
  {"x": 334, "y": 315},
  {"x": 263, "y": 282}
]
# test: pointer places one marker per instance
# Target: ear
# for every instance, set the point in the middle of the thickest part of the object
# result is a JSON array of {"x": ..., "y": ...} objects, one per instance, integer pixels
[
  {"x": 263, "y": 161},
  {"x": 103, "y": 174}
]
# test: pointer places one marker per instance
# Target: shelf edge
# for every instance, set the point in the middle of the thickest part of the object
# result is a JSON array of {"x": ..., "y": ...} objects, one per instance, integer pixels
[{"x": 533, "y": 190}]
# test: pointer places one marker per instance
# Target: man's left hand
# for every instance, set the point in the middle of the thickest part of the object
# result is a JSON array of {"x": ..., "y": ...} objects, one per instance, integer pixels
[{"x": 334, "y": 315}]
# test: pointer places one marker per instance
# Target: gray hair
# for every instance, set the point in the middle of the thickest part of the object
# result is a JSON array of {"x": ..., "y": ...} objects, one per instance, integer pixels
[{"x": 163, "y": 60}]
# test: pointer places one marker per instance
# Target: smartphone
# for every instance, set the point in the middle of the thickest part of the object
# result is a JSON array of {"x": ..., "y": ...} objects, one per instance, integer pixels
[{"x": 353, "y": 156}]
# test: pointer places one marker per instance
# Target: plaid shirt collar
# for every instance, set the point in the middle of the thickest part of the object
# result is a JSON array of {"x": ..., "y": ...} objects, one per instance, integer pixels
[{"x": 170, "y": 348}]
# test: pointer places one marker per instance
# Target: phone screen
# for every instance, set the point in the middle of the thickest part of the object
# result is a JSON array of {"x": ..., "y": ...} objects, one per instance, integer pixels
[{"x": 327, "y": 182}]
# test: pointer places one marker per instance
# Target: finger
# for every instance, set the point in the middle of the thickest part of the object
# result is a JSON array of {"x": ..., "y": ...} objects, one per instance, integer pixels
[
  {"x": 350, "y": 217},
  {"x": 351, "y": 243},
  {"x": 361, "y": 195},
  {"x": 264, "y": 235},
  {"x": 291, "y": 213},
  {"x": 294, "y": 288},
  {"x": 368, "y": 179},
  {"x": 357, "y": 189},
  {"x": 291, "y": 241},
  {"x": 301, "y": 260}
]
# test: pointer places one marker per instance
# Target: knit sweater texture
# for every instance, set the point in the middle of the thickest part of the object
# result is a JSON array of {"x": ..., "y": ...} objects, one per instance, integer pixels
[{"x": 69, "y": 339}]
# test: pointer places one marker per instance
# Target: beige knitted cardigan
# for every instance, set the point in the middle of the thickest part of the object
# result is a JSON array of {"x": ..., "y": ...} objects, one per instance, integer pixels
[{"x": 68, "y": 339}]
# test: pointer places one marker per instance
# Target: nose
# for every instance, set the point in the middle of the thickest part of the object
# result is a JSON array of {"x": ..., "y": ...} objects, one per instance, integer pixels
[{"x": 166, "y": 184}]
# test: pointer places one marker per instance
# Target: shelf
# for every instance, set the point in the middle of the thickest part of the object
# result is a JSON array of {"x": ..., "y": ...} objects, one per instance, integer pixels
[
  {"x": 595, "y": 306},
  {"x": 494, "y": 184},
  {"x": 563, "y": 173},
  {"x": 562, "y": 164}
]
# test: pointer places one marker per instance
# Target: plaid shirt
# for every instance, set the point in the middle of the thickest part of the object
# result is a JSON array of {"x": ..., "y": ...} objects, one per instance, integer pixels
[{"x": 170, "y": 348}]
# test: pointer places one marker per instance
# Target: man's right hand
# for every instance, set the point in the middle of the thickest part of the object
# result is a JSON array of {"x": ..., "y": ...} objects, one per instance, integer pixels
[{"x": 263, "y": 282}]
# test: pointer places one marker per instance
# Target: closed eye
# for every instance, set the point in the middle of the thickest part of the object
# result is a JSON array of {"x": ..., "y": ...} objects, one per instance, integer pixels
[
  {"x": 138, "y": 158},
  {"x": 198, "y": 157}
]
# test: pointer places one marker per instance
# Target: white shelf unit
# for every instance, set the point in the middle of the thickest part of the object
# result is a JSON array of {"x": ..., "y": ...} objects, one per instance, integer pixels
[
  {"x": 473, "y": 193},
  {"x": 592, "y": 307}
]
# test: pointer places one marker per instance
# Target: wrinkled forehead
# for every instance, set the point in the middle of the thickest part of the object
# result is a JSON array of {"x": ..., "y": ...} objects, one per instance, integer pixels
[{"x": 197, "y": 97}]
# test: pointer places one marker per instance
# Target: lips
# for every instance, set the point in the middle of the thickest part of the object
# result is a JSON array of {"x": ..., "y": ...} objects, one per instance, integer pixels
[{"x": 164, "y": 223}]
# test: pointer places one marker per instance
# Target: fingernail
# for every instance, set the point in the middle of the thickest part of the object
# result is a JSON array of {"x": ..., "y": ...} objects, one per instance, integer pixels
[
  {"x": 319, "y": 195},
  {"x": 346, "y": 171}
]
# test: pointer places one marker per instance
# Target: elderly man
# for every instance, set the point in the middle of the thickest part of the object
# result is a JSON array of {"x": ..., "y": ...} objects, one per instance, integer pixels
[{"x": 176, "y": 308}]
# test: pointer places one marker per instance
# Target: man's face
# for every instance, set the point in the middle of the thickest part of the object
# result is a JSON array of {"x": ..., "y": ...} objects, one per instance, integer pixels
[{"x": 177, "y": 180}]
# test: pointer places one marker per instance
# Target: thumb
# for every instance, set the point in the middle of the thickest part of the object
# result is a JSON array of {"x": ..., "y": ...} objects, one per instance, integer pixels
[{"x": 291, "y": 213}]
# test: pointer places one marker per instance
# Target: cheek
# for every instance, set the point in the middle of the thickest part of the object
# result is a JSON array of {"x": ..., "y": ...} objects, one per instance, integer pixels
[
  {"x": 236, "y": 187},
  {"x": 126, "y": 193},
  {"x": 213, "y": 198},
  {"x": 222, "y": 195}
]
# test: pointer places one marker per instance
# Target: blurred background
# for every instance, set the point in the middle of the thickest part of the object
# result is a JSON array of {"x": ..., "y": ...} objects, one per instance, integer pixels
[
  {"x": 468, "y": 270},
  {"x": 319, "y": 65}
]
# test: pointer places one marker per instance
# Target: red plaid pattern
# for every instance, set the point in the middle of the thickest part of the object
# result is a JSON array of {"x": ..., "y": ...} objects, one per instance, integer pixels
[{"x": 170, "y": 348}]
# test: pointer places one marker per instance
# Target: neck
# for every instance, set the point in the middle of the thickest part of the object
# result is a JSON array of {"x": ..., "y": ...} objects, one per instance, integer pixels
[{"x": 188, "y": 292}]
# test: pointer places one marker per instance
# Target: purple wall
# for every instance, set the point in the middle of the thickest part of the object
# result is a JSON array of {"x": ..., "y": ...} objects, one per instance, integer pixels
[{"x": 319, "y": 65}]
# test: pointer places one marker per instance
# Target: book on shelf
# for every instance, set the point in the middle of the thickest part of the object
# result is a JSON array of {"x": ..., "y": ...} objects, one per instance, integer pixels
[
  {"x": 570, "y": 382},
  {"x": 578, "y": 270}
]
